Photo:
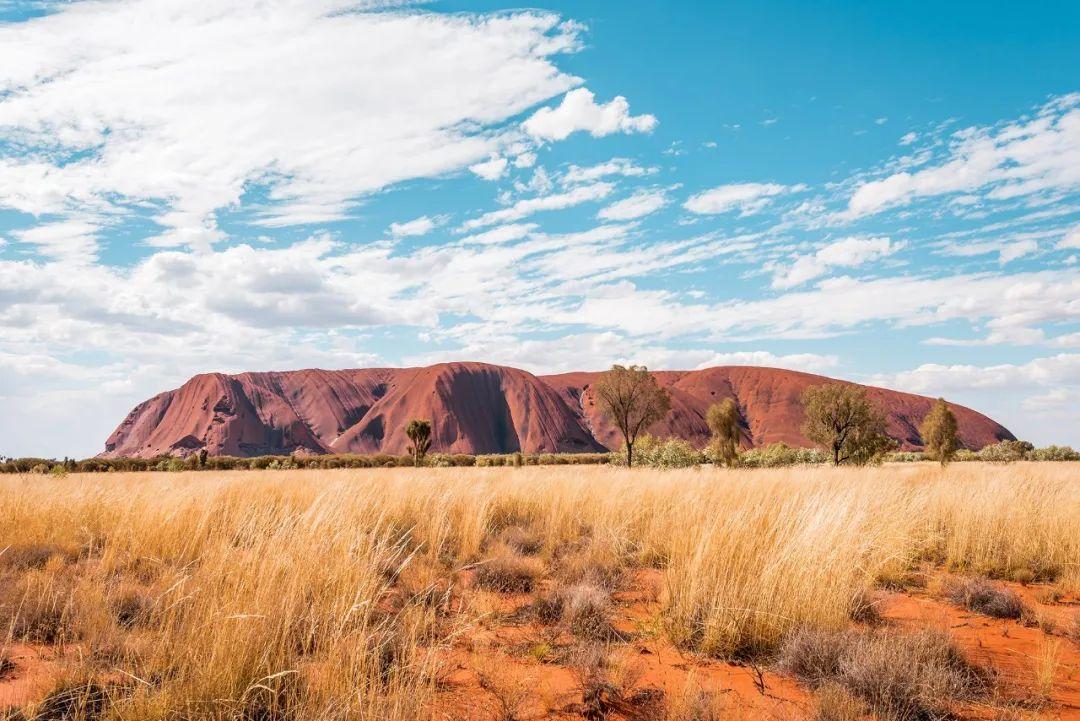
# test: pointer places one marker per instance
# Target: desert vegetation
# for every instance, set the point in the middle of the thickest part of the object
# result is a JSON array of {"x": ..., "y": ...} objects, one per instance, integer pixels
[{"x": 497, "y": 593}]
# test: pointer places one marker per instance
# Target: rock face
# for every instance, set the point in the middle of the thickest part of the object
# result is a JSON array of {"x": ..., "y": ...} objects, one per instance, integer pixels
[{"x": 475, "y": 408}]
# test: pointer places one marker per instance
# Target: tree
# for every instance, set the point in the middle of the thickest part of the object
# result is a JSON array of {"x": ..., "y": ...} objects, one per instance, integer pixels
[
  {"x": 419, "y": 432},
  {"x": 938, "y": 431},
  {"x": 841, "y": 418},
  {"x": 723, "y": 420},
  {"x": 631, "y": 397}
]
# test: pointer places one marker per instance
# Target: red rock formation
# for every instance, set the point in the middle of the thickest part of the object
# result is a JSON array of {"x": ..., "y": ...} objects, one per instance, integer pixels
[
  {"x": 474, "y": 408},
  {"x": 769, "y": 401}
]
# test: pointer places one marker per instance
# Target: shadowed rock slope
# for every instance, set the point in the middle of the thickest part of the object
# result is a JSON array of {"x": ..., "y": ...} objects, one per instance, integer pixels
[{"x": 475, "y": 408}]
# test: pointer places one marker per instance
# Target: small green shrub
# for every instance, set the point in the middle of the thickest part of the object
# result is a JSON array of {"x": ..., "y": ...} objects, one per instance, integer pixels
[
  {"x": 652, "y": 452},
  {"x": 1005, "y": 451},
  {"x": 1055, "y": 453},
  {"x": 778, "y": 455}
]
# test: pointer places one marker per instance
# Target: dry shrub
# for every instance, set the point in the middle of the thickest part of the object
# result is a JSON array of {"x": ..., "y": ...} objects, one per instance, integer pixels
[
  {"x": 607, "y": 686},
  {"x": 584, "y": 608},
  {"x": 864, "y": 608},
  {"x": 38, "y": 606},
  {"x": 508, "y": 573},
  {"x": 695, "y": 704},
  {"x": 26, "y": 556},
  {"x": 900, "y": 676},
  {"x": 525, "y": 541},
  {"x": 510, "y": 690},
  {"x": 131, "y": 606},
  {"x": 425, "y": 581},
  {"x": 833, "y": 702},
  {"x": 982, "y": 596},
  {"x": 73, "y": 700},
  {"x": 1045, "y": 666},
  {"x": 900, "y": 579},
  {"x": 596, "y": 563}
]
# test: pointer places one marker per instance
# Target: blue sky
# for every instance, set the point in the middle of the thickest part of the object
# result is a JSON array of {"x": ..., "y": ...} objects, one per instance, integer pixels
[{"x": 885, "y": 194}]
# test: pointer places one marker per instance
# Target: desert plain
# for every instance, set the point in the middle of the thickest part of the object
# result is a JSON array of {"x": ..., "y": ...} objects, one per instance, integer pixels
[{"x": 900, "y": 592}]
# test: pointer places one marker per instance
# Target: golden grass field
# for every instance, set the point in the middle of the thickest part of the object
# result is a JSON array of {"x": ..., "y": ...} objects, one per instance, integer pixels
[{"x": 541, "y": 592}]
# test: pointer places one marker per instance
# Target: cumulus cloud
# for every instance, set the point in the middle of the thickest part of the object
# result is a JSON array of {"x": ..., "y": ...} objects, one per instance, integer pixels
[
  {"x": 71, "y": 241},
  {"x": 809, "y": 362},
  {"x": 845, "y": 253},
  {"x": 580, "y": 111},
  {"x": 1034, "y": 399},
  {"x": 490, "y": 169},
  {"x": 1009, "y": 161},
  {"x": 932, "y": 378},
  {"x": 186, "y": 106},
  {"x": 1071, "y": 239},
  {"x": 598, "y": 351},
  {"x": 747, "y": 198},
  {"x": 638, "y": 205},
  {"x": 420, "y": 226}
]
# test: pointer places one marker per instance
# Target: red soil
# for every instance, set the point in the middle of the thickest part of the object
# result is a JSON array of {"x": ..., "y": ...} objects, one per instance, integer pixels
[
  {"x": 1012, "y": 649},
  {"x": 500, "y": 652},
  {"x": 34, "y": 671},
  {"x": 475, "y": 408}
]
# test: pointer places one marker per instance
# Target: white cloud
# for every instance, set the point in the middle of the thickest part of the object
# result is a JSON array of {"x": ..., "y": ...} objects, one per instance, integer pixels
[
  {"x": 638, "y": 205},
  {"x": 490, "y": 169},
  {"x": 419, "y": 226},
  {"x": 598, "y": 351},
  {"x": 1018, "y": 249},
  {"x": 845, "y": 253},
  {"x": 1018, "y": 159},
  {"x": 501, "y": 234},
  {"x": 1071, "y": 239},
  {"x": 528, "y": 206},
  {"x": 1034, "y": 399},
  {"x": 1066, "y": 340},
  {"x": 187, "y": 105},
  {"x": 73, "y": 241},
  {"x": 1053, "y": 399},
  {"x": 525, "y": 160},
  {"x": 616, "y": 166},
  {"x": 909, "y": 138},
  {"x": 936, "y": 379},
  {"x": 747, "y": 198},
  {"x": 809, "y": 362},
  {"x": 579, "y": 111}
]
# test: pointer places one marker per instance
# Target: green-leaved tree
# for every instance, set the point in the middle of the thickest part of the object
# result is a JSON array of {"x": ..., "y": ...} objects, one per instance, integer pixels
[
  {"x": 633, "y": 400},
  {"x": 841, "y": 418},
  {"x": 723, "y": 420},
  {"x": 938, "y": 431},
  {"x": 419, "y": 432}
]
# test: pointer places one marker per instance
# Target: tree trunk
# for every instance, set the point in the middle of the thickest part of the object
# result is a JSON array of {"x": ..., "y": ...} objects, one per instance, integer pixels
[{"x": 629, "y": 454}]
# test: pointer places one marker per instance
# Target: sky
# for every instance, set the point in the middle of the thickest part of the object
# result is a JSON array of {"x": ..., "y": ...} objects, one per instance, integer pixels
[{"x": 878, "y": 192}]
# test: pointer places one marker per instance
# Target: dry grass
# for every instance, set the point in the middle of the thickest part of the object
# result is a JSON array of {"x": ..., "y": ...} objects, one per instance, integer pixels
[
  {"x": 320, "y": 594},
  {"x": 982, "y": 596},
  {"x": 1046, "y": 666},
  {"x": 584, "y": 608},
  {"x": 901, "y": 677},
  {"x": 833, "y": 702}
]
